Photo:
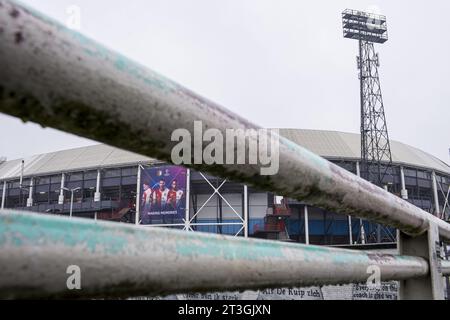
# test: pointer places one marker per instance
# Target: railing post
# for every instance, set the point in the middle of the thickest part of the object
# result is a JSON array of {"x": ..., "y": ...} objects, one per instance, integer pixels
[
  {"x": 245, "y": 211},
  {"x": 4, "y": 194},
  {"x": 350, "y": 231},
  {"x": 187, "y": 217},
  {"x": 426, "y": 246},
  {"x": 305, "y": 208},
  {"x": 361, "y": 224},
  {"x": 138, "y": 196},
  {"x": 447, "y": 278}
]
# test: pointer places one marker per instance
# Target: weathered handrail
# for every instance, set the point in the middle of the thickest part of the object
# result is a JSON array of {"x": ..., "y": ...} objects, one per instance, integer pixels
[
  {"x": 58, "y": 78},
  {"x": 122, "y": 260}
]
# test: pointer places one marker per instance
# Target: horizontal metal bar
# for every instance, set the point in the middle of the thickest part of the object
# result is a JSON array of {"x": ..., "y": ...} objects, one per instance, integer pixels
[
  {"x": 117, "y": 259},
  {"x": 56, "y": 77}
]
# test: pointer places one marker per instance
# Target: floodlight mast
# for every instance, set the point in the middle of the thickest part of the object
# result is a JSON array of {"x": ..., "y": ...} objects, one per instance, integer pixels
[{"x": 376, "y": 157}]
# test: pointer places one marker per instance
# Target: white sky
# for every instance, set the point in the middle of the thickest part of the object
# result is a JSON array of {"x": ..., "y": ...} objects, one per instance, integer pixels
[{"x": 279, "y": 63}]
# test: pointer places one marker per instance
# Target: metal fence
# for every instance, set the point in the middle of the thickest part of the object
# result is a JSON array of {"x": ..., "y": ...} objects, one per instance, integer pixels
[{"x": 58, "y": 78}]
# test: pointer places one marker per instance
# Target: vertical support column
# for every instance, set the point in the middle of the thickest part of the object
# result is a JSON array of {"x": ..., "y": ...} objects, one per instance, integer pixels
[
  {"x": 361, "y": 225},
  {"x": 435, "y": 194},
  {"x": 187, "y": 217},
  {"x": 30, "y": 194},
  {"x": 363, "y": 233},
  {"x": 138, "y": 196},
  {"x": 71, "y": 202},
  {"x": 426, "y": 246},
  {"x": 404, "y": 191},
  {"x": 447, "y": 278},
  {"x": 4, "y": 195},
  {"x": 61, "y": 190},
  {"x": 350, "y": 233},
  {"x": 305, "y": 208},
  {"x": 97, "y": 194},
  {"x": 358, "y": 169},
  {"x": 245, "y": 222}
]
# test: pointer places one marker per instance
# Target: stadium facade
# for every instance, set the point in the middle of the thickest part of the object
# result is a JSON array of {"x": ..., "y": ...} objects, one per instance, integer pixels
[{"x": 106, "y": 181}]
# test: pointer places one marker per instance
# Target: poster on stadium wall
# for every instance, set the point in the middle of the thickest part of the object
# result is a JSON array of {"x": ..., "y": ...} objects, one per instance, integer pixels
[{"x": 163, "y": 194}]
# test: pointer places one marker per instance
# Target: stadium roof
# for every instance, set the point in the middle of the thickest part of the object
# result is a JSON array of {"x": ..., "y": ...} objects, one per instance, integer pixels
[
  {"x": 329, "y": 144},
  {"x": 336, "y": 145}
]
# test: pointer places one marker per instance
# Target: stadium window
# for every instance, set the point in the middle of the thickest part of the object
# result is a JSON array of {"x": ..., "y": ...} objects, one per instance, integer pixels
[
  {"x": 75, "y": 176},
  {"x": 423, "y": 175},
  {"x": 110, "y": 193},
  {"x": 90, "y": 184},
  {"x": 88, "y": 193},
  {"x": 13, "y": 184},
  {"x": 129, "y": 171},
  {"x": 424, "y": 183},
  {"x": 13, "y": 191},
  {"x": 90, "y": 175},
  {"x": 131, "y": 180},
  {"x": 42, "y": 180},
  {"x": 53, "y": 196},
  {"x": 110, "y": 182},
  {"x": 55, "y": 179},
  {"x": 410, "y": 173},
  {"x": 74, "y": 184},
  {"x": 109, "y": 173},
  {"x": 129, "y": 192},
  {"x": 41, "y": 197},
  {"x": 13, "y": 201},
  {"x": 42, "y": 188}
]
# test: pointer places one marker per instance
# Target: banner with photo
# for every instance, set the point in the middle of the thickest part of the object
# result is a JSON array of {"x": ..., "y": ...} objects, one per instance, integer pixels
[{"x": 163, "y": 194}]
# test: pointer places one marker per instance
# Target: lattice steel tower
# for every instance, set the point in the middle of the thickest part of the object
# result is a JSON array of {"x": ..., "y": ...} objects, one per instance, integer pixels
[{"x": 367, "y": 28}]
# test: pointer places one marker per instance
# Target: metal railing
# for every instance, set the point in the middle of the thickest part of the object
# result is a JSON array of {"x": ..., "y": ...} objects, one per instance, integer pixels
[{"x": 56, "y": 77}]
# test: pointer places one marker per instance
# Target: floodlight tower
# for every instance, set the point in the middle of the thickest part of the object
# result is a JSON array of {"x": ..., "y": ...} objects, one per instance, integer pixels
[{"x": 376, "y": 156}]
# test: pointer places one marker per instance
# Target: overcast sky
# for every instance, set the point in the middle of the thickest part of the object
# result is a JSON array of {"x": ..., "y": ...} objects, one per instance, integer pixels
[{"x": 278, "y": 63}]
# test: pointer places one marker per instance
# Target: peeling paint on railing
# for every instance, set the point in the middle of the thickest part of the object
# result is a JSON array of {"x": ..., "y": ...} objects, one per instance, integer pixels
[
  {"x": 122, "y": 260},
  {"x": 59, "y": 78}
]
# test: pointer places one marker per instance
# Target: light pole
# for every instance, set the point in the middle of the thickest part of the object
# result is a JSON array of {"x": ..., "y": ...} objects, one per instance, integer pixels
[{"x": 71, "y": 197}]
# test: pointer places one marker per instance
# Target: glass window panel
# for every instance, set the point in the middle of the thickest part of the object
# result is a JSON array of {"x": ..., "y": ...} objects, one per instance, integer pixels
[
  {"x": 42, "y": 180},
  {"x": 90, "y": 183},
  {"x": 112, "y": 173},
  {"x": 423, "y": 175},
  {"x": 43, "y": 188},
  {"x": 55, "y": 178},
  {"x": 132, "y": 180},
  {"x": 410, "y": 173},
  {"x": 73, "y": 185},
  {"x": 108, "y": 182},
  {"x": 13, "y": 192},
  {"x": 55, "y": 187},
  {"x": 76, "y": 176},
  {"x": 130, "y": 171},
  {"x": 90, "y": 175}
]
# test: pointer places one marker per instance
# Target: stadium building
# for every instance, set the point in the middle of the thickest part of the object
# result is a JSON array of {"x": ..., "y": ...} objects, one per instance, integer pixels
[{"x": 103, "y": 182}]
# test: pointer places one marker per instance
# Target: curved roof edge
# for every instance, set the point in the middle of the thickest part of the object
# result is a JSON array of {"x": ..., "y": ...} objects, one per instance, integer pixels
[
  {"x": 329, "y": 144},
  {"x": 344, "y": 145}
]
